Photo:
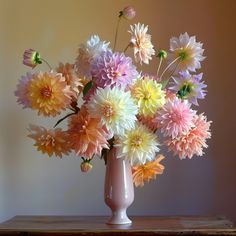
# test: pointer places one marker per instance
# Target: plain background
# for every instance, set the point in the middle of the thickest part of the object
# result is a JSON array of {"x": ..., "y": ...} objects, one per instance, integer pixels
[{"x": 32, "y": 183}]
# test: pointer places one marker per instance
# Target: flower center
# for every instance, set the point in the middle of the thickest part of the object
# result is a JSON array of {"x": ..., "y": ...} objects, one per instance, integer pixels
[
  {"x": 46, "y": 92},
  {"x": 47, "y": 140},
  {"x": 146, "y": 95},
  {"x": 136, "y": 141},
  {"x": 107, "y": 110}
]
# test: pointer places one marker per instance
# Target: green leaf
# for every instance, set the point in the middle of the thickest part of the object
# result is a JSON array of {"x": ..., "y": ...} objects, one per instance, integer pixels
[{"x": 87, "y": 87}]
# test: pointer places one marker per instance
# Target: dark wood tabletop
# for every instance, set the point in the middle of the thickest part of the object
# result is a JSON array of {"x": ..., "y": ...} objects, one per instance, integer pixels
[{"x": 96, "y": 225}]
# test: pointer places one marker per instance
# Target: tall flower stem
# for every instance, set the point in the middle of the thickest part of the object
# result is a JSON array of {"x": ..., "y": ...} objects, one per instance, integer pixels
[
  {"x": 46, "y": 63},
  {"x": 176, "y": 59},
  {"x": 116, "y": 34},
  {"x": 126, "y": 47},
  {"x": 159, "y": 66}
]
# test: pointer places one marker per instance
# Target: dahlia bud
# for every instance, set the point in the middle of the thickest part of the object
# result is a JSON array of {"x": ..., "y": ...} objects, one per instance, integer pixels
[
  {"x": 128, "y": 13},
  {"x": 162, "y": 54},
  {"x": 31, "y": 58},
  {"x": 86, "y": 166}
]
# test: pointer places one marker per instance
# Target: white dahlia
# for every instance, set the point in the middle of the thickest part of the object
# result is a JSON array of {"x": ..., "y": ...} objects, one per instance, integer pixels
[
  {"x": 88, "y": 52},
  {"x": 115, "y": 108},
  {"x": 138, "y": 145}
]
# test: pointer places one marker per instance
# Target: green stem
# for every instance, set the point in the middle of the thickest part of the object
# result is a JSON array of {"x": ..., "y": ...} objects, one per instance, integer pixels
[
  {"x": 176, "y": 59},
  {"x": 159, "y": 66},
  {"x": 116, "y": 34},
  {"x": 63, "y": 118},
  {"x": 46, "y": 63}
]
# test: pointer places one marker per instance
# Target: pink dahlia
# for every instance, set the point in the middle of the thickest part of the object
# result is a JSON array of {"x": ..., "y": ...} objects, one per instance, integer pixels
[
  {"x": 113, "y": 69},
  {"x": 175, "y": 117},
  {"x": 191, "y": 143},
  {"x": 22, "y": 91}
]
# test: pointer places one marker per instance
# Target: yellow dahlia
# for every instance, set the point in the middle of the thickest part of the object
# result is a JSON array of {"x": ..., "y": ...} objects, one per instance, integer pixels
[
  {"x": 138, "y": 145},
  {"x": 69, "y": 72},
  {"x": 148, "y": 95},
  {"x": 49, "y": 93},
  {"x": 147, "y": 171},
  {"x": 52, "y": 141}
]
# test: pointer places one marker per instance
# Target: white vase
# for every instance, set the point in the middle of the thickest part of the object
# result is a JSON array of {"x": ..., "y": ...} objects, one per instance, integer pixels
[{"x": 119, "y": 189}]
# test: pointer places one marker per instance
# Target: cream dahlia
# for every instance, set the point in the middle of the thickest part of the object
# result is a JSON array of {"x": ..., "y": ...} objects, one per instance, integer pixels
[
  {"x": 141, "y": 43},
  {"x": 115, "y": 107},
  {"x": 137, "y": 145}
]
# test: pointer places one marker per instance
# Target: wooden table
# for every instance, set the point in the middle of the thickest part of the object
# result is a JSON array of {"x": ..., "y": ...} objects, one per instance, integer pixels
[{"x": 90, "y": 225}]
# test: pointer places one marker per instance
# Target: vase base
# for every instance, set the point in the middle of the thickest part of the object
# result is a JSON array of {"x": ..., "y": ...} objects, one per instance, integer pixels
[{"x": 114, "y": 220}]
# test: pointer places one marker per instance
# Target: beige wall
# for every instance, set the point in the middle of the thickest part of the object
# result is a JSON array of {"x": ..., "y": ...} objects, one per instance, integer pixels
[{"x": 31, "y": 183}]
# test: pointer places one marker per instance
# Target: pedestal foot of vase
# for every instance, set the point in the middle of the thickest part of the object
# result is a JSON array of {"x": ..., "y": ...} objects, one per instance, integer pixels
[{"x": 119, "y": 218}]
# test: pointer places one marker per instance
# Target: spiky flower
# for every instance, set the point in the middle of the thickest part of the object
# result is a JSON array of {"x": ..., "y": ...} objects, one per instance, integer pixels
[
  {"x": 192, "y": 142},
  {"x": 52, "y": 142},
  {"x": 141, "y": 43},
  {"x": 113, "y": 69},
  {"x": 148, "y": 171},
  {"x": 188, "y": 51},
  {"x": 148, "y": 96},
  {"x": 138, "y": 145},
  {"x": 189, "y": 87},
  {"x": 22, "y": 91},
  {"x": 88, "y": 52},
  {"x": 86, "y": 134},
  {"x": 115, "y": 107},
  {"x": 49, "y": 93},
  {"x": 68, "y": 71},
  {"x": 175, "y": 117}
]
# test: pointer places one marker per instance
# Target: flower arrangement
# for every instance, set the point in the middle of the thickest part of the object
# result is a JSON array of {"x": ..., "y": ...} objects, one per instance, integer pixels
[{"x": 135, "y": 112}]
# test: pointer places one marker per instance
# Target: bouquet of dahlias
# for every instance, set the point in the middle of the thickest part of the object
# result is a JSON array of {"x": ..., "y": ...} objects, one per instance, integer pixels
[{"x": 135, "y": 112}]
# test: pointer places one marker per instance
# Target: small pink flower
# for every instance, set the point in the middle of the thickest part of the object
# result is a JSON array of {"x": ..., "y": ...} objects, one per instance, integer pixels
[
  {"x": 128, "y": 13},
  {"x": 31, "y": 58}
]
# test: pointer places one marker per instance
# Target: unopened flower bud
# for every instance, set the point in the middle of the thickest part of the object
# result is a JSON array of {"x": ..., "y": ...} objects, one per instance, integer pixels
[
  {"x": 162, "y": 54},
  {"x": 128, "y": 13},
  {"x": 31, "y": 58},
  {"x": 86, "y": 166}
]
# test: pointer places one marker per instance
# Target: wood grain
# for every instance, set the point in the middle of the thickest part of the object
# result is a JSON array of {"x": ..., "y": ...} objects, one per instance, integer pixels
[{"x": 91, "y": 225}]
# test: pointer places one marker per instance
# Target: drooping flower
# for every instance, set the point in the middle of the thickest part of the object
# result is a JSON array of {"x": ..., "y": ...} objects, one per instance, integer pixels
[
  {"x": 141, "y": 42},
  {"x": 86, "y": 134},
  {"x": 52, "y": 142},
  {"x": 192, "y": 142},
  {"x": 175, "y": 117},
  {"x": 148, "y": 171},
  {"x": 115, "y": 107},
  {"x": 49, "y": 93},
  {"x": 189, "y": 87},
  {"x": 69, "y": 73},
  {"x": 148, "y": 96},
  {"x": 88, "y": 52},
  {"x": 22, "y": 91},
  {"x": 138, "y": 145},
  {"x": 128, "y": 13},
  {"x": 113, "y": 69},
  {"x": 189, "y": 52},
  {"x": 31, "y": 58}
]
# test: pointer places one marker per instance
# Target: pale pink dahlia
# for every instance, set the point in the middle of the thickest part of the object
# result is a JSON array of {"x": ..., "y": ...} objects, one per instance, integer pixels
[
  {"x": 191, "y": 143},
  {"x": 113, "y": 69},
  {"x": 22, "y": 91},
  {"x": 175, "y": 117}
]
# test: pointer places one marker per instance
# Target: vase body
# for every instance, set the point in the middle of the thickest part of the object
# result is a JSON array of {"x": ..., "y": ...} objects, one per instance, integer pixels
[{"x": 119, "y": 189}]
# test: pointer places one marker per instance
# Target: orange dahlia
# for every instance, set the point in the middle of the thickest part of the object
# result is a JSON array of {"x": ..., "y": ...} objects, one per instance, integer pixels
[
  {"x": 49, "y": 93},
  {"x": 147, "y": 171},
  {"x": 69, "y": 72},
  {"x": 86, "y": 135},
  {"x": 52, "y": 141}
]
